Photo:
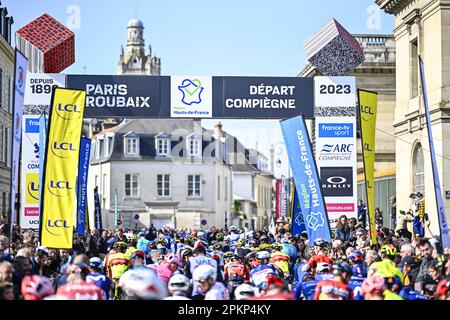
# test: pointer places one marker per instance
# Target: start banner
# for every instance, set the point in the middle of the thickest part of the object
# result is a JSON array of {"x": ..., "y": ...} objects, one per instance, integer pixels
[{"x": 58, "y": 201}]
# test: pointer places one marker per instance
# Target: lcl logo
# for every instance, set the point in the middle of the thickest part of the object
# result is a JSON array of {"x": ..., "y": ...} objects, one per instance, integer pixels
[
  {"x": 33, "y": 190},
  {"x": 68, "y": 111},
  {"x": 56, "y": 227},
  {"x": 63, "y": 149},
  {"x": 59, "y": 188}
]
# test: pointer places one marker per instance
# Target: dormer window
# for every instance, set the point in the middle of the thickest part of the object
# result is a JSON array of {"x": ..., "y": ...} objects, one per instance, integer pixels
[
  {"x": 162, "y": 144},
  {"x": 131, "y": 144},
  {"x": 194, "y": 145}
]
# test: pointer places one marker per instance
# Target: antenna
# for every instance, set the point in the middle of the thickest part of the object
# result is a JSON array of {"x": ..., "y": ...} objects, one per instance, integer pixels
[{"x": 135, "y": 11}]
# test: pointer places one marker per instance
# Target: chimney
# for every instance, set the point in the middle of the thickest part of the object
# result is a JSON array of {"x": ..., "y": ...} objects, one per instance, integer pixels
[{"x": 218, "y": 133}]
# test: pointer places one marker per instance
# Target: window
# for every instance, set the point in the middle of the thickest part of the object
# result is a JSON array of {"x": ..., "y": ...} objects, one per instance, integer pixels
[
  {"x": 418, "y": 169},
  {"x": 5, "y": 141},
  {"x": 226, "y": 188},
  {"x": 104, "y": 184},
  {"x": 194, "y": 186},
  {"x": 194, "y": 146},
  {"x": 132, "y": 185},
  {"x": 414, "y": 62},
  {"x": 107, "y": 146},
  {"x": 131, "y": 146},
  {"x": 163, "y": 182},
  {"x": 98, "y": 151},
  {"x": 2, "y": 97},
  {"x": 163, "y": 147}
]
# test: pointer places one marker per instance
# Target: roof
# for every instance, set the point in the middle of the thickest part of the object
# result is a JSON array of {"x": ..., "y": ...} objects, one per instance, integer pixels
[{"x": 135, "y": 23}]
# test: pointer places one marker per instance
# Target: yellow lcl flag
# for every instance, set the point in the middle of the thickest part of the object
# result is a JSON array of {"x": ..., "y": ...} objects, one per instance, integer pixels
[
  {"x": 368, "y": 102},
  {"x": 58, "y": 201}
]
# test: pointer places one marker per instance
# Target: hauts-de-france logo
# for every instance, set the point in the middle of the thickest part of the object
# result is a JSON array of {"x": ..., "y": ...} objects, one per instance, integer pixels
[
  {"x": 192, "y": 91},
  {"x": 20, "y": 78}
]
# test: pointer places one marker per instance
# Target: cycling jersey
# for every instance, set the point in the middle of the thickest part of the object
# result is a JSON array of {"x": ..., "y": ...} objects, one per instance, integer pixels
[
  {"x": 281, "y": 261},
  {"x": 200, "y": 260},
  {"x": 163, "y": 271},
  {"x": 358, "y": 269},
  {"x": 118, "y": 263},
  {"x": 333, "y": 290},
  {"x": 408, "y": 293},
  {"x": 307, "y": 290},
  {"x": 130, "y": 251},
  {"x": 143, "y": 245},
  {"x": 236, "y": 271},
  {"x": 258, "y": 274},
  {"x": 81, "y": 291},
  {"x": 389, "y": 295},
  {"x": 101, "y": 281},
  {"x": 355, "y": 284},
  {"x": 323, "y": 276},
  {"x": 217, "y": 292},
  {"x": 387, "y": 269}
]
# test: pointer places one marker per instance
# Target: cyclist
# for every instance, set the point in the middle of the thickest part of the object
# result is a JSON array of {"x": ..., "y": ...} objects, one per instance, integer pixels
[
  {"x": 236, "y": 273},
  {"x": 142, "y": 284},
  {"x": 143, "y": 244},
  {"x": 117, "y": 264},
  {"x": 320, "y": 248},
  {"x": 386, "y": 268},
  {"x": 373, "y": 288},
  {"x": 275, "y": 288},
  {"x": 35, "y": 287},
  {"x": 179, "y": 288},
  {"x": 356, "y": 259},
  {"x": 280, "y": 260},
  {"x": 336, "y": 289},
  {"x": 167, "y": 267},
  {"x": 305, "y": 289},
  {"x": 204, "y": 278},
  {"x": 132, "y": 244},
  {"x": 77, "y": 288},
  {"x": 95, "y": 276},
  {"x": 258, "y": 274},
  {"x": 137, "y": 260}
]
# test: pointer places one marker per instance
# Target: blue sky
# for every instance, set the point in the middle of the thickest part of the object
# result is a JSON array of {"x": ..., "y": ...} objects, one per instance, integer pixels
[{"x": 206, "y": 37}]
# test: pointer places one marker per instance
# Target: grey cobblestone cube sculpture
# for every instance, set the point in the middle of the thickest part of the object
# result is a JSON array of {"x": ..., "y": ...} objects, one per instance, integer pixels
[{"x": 333, "y": 50}]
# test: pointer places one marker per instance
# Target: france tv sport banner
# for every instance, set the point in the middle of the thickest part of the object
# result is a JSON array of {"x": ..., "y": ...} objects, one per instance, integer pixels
[
  {"x": 443, "y": 226},
  {"x": 83, "y": 170},
  {"x": 368, "y": 102},
  {"x": 20, "y": 75},
  {"x": 306, "y": 178},
  {"x": 336, "y": 153},
  {"x": 98, "y": 211},
  {"x": 61, "y": 163},
  {"x": 283, "y": 197},
  {"x": 38, "y": 93}
]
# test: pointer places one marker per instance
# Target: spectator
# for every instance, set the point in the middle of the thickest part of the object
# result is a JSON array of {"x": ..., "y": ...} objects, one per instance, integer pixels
[
  {"x": 102, "y": 244},
  {"x": 342, "y": 231},
  {"x": 378, "y": 218},
  {"x": 402, "y": 224},
  {"x": 362, "y": 211},
  {"x": 92, "y": 248},
  {"x": 22, "y": 268},
  {"x": 6, "y": 291},
  {"x": 4, "y": 251},
  {"x": 38, "y": 261},
  {"x": 6, "y": 272},
  {"x": 410, "y": 268},
  {"x": 423, "y": 278},
  {"x": 65, "y": 258}
]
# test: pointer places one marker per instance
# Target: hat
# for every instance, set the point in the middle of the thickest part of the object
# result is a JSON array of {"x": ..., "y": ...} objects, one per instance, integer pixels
[
  {"x": 412, "y": 195},
  {"x": 407, "y": 261}
]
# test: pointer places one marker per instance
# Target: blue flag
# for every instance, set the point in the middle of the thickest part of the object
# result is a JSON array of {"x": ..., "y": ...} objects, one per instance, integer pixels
[
  {"x": 445, "y": 238},
  {"x": 298, "y": 224},
  {"x": 304, "y": 171},
  {"x": 83, "y": 169}
]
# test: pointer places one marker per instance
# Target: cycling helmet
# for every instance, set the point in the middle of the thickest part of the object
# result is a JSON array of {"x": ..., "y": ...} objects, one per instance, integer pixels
[
  {"x": 188, "y": 240},
  {"x": 36, "y": 288},
  {"x": 140, "y": 234},
  {"x": 342, "y": 267},
  {"x": 236, "y": 257},
  {"x": 200, "y": 243},
  {"x": 142, "y": 284},
  {"x": 132, "y": 237},
  {"x": 137, "y": 254},
  {"x": 121, "y": 246},
  {"x": 78, "y": 268},
  {"x": 239, "y": 243},
  {"x": 320, "y": 242},
  {"x": 263, "y": 255},
  {"x": 186, "y": 252},
  {"x": 214, "y": 255},
  {"x": 200, "y": 234},
  {"x": 356, "y": 257},
  {"x": 228, "y": 255},
  {"x": 323, "y": 267},
  {"x": 233, "y": 228},
  {"x": 172, "y": 258},
  {"x": 275, "y": 280},
  {"x": 179, "y": 282},
  {"x": 95, "y": 262},
  {"x": 162, "y": 240},
  {"x": 204, "y": 272},
  {"x": 389, "y": 250},
  {"x": 276, "y": 246},
  {"x": 245, "y": 291},
  {"x": 373, "y": 285},
  {"x": 217, "y": 247},
  {"x": 219, "y": 236}
]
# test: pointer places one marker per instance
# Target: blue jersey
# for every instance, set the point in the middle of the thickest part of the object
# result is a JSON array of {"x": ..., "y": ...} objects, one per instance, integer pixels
[
  {"x": 143, "y": 245},
  {"x": 323, "y": 276},
  {"x": 408, "y": 293},
  {"x": 290, "y": 250},
  {"x": 359, "y": 270},
  {"x": 308, "y": 289},
  {"x": 101, "y": 281},
  {"x": 258, "y": 274},
  {"x": 355, "y": 285}
]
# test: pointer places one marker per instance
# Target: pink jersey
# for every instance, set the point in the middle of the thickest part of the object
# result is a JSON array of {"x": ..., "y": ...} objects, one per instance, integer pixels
[{"x": 162, "y": 270}]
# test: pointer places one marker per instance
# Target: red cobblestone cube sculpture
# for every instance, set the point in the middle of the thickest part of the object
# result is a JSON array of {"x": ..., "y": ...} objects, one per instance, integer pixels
[{"x": 48, "y": 44}]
